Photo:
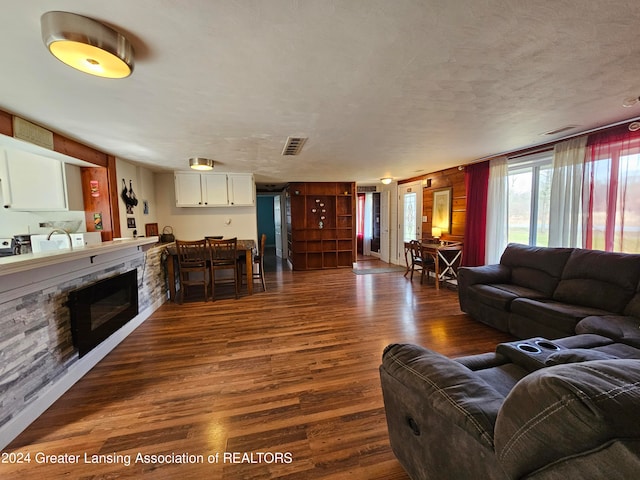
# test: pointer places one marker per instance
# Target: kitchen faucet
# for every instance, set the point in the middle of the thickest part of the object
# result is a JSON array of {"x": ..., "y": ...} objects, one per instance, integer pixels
[{"x": 60, "y": 230}]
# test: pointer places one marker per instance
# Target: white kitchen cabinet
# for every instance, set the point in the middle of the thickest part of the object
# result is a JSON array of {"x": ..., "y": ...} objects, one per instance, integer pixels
[
  {"x": 31, "y": 182},
  {"x": 213, "y": 189},
  {"x": 188, "y": 190},
  {"x": 241, "y": 189}
]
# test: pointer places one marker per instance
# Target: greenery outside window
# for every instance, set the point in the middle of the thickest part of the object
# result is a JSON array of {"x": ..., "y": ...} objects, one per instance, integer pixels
[{"x": 529, "y": 186}]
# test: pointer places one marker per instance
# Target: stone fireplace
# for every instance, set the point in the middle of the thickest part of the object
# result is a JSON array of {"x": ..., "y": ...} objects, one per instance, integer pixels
[{"x": 99, "y": 309}]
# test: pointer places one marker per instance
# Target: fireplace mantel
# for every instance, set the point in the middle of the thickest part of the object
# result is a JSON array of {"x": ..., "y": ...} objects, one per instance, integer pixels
[{"x": 31, "y": 261}]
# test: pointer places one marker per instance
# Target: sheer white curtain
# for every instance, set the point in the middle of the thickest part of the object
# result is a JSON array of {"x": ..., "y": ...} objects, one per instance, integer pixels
[
  {"x": 565, "y": 226},
  {"x": 497, "y": 201}
]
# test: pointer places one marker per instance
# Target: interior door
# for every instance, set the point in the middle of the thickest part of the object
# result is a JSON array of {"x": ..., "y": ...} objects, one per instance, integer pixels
[
  {"x": 277, "y": 218},
  {"x": 410, "y": 214},
  {"x": 385, "y": 200}
]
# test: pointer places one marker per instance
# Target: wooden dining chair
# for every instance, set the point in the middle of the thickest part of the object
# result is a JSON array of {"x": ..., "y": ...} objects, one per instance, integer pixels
[
  {"x": 419, "y": 261},
  {"x": 224, "y": 256},
  {"x": 192, "y": 265},
  {"x": 258, "y": 260},
  {"x": 407, "y": 257}
]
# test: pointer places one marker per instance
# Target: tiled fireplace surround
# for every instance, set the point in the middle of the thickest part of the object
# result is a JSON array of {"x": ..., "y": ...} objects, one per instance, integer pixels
[{"x": 38, "y": 361}]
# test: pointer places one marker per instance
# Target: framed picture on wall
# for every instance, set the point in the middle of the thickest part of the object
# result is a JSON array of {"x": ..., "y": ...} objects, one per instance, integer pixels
[
  {"x": 441, "y": 216},
  {"x": 151, "y": 229},
  {"x": 131, "y": 222}
]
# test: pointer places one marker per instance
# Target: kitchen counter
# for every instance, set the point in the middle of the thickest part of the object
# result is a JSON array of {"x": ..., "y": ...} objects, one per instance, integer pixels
[{"x": 29, "y": 261}]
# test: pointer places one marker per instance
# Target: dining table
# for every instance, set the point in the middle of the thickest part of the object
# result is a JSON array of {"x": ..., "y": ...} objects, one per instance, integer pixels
[
  {"x": 245, "y": 248},
  {"x": 446, "y": 256}
]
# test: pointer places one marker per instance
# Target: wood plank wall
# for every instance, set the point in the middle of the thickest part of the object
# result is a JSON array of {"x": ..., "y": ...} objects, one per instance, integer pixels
[{"x": 450, "y": 178}]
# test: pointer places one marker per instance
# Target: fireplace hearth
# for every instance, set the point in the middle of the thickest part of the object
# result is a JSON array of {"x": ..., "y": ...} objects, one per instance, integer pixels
[{"x": 100, "y": 309}]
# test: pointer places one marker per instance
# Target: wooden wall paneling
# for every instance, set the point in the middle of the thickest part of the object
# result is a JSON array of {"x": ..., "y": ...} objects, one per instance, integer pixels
[
  {"x": 97, "y": 200},
  {"x": 450, "y": 178},
  {"x": 78, "y": 150},
  {"x": 113, "y": 196},
  {"x": 6, "y": 124}
]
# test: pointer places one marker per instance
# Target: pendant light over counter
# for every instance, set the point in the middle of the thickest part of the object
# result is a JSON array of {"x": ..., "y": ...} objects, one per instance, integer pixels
[{"x": 87, "y": 45}]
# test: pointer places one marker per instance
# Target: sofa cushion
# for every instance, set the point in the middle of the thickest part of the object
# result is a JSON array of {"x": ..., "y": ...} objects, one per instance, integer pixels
[
  {"x": 603, "y": 352},
  {"x": 620, "y": 328},
  {"x": 537, "y": 268},
  {"x": 567, "y": 411},
  {"x": 633, "y": 307},
  {"x": 576, "y": 355},
  {"x": 597, "y": 279},
  {"x": 561, "y": 316},
  {"x": 500, "y": 296}
]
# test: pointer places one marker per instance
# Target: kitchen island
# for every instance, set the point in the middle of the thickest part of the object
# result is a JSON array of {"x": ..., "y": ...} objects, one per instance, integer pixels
[{"x": 39, "y": 359}]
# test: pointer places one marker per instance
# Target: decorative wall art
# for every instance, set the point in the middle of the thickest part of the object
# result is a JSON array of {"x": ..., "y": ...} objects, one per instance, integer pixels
[
  {"x": 319, "y": 211},
  {"x": 128, "y": 197},
  {"x": 441, "y": 217},
  {"x": 150, "y": 229},
  {"x": 97, "y": 220}
]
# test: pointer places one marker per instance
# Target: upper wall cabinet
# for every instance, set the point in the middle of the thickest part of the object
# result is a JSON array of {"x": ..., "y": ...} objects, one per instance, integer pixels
[
  {"x": 214, "y": 189},
  {"x": 241, "y": 189},
  {"x": 31, "y": 182}
]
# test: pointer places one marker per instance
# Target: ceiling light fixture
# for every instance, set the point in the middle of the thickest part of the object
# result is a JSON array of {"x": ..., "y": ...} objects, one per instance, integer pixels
[
  {"x": 630, "y": 101},
  {"x": 634, "y": 127},
  {"x": 87, "y": 45},
  {"x": 199, "y": 163},
  {"x": 386, "y": 180}
]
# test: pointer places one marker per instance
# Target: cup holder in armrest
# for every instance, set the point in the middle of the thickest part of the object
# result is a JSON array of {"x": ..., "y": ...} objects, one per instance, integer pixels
[
  {"x": 525, "y": 347},
  {"x": 530, "y": 353},
  {"x": 547, "y": 345}
]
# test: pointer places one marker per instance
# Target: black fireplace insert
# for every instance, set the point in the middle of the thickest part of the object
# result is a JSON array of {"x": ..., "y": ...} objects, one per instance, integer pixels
[{"x": 99, "y": 309}]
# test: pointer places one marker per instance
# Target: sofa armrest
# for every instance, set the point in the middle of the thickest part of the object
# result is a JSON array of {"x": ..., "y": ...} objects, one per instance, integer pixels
[
  {"x": 486, "y": 274},
  {"x": 443, "y": 386},
  {"x": 566, "y": 412}
]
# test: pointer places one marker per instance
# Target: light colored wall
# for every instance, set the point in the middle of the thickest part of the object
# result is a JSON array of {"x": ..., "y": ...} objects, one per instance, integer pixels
[
  {"x": 192, "y": 223},
  {"x": 143, "y": 183}
]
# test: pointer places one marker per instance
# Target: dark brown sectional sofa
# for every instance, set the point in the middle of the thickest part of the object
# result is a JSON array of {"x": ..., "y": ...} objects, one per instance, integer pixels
[
  {"x": 561, "y": 402},
  {"x": 556, "y": 292}
]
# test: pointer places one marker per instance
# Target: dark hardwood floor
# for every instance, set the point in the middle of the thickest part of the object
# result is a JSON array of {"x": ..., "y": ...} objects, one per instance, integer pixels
[{"x": 288, "y": 376}]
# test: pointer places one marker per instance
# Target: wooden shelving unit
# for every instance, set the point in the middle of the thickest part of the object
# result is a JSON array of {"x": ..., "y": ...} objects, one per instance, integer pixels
[{"x": 321, "y": 225}]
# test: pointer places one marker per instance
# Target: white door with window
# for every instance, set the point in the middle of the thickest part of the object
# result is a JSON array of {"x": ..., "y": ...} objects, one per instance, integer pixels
[{"x": 409, "y": 214}]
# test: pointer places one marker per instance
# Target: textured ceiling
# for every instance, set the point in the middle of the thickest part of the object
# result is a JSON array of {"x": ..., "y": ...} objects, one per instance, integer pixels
[{"x": 381, "y": 88}]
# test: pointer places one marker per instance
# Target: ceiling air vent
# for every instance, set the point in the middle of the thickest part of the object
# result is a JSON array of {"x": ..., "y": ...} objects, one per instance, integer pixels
[
  {"x": 560, "y": 130},
  {"x": 367, "y": 188},
  {"x": 293, "y": 145}
]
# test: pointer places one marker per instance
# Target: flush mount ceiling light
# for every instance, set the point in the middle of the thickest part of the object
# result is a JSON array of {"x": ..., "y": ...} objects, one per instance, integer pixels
[
  {"x": 199, "y": 163},
  {"x": 630, "y": 101},
  {"x": 87, "y": 45},
  {"x": 386, "y": 180}
]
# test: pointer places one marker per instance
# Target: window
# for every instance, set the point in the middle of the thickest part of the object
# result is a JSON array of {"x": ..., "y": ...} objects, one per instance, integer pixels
[
  {"x": 612, "y": 205},
  {"x": 529, "y": 188}
]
